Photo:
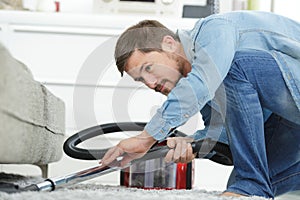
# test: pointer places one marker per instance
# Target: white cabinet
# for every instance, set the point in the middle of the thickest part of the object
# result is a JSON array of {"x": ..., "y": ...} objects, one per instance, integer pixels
[
  {"x": 55, "y": 54},
  {"x": 90, "y": 106}
]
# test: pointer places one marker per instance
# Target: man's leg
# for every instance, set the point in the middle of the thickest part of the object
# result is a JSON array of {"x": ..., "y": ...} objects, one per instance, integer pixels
[
  {"x": 283, "y": 159},
  {"x": 254, "y": 82},
  {"x": 283, "y": 152}
]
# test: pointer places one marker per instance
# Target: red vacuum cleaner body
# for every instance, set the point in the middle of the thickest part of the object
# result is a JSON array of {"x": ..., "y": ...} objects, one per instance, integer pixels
[{"x": 157, "y": 174}]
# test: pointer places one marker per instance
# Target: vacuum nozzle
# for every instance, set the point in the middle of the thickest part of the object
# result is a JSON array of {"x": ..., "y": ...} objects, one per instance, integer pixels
[{"x": 12, "y": 188}]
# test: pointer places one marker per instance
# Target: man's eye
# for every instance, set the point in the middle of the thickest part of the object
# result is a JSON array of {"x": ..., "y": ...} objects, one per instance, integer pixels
[
  {"x": 140, "y": 79},
  {"x": 148, "y": 68}
]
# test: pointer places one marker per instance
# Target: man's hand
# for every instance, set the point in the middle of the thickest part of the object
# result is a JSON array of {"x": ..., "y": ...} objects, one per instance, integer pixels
[
  {"x": 131, "y": 148},
  {"x": 181, "y": 150}
]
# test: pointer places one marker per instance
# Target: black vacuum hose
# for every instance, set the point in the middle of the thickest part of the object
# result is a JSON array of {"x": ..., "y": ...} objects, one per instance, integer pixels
[
  {"x": 217, "y": 152},
  {"x": 95, "y": 154}
]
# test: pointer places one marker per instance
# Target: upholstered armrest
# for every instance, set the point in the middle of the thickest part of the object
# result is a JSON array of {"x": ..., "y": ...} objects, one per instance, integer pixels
[{"x": 32, "y": 119}]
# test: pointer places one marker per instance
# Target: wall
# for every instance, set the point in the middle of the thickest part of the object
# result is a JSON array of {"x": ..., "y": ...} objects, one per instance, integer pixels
[{"x": 289, "y": 8}]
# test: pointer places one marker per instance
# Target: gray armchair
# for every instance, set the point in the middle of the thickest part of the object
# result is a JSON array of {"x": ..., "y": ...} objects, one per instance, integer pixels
[{"x": 32, "y": 119}]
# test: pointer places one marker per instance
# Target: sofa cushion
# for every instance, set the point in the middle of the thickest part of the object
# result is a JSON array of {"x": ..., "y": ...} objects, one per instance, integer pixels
[{"x": 32, "y": 119}]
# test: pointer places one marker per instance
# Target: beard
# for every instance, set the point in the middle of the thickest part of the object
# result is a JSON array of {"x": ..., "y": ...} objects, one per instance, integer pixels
[
  {"x": 166, "y": 85},
  {"x": 181, "y": 63}
]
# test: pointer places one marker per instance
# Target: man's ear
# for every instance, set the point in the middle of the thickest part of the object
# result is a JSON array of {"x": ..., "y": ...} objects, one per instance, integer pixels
[{"x": 169, "y": 44}]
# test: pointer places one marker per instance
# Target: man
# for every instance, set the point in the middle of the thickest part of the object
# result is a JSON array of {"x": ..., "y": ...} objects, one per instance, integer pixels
[{"x": 241, "y": 70}]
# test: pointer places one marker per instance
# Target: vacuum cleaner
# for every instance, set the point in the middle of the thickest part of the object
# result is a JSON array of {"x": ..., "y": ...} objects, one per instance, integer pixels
[{"x": 206, "y": 148}]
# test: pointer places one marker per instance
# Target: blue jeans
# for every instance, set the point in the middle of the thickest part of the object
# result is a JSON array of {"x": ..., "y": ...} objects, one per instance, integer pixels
[{"x": 265, "y": 149}]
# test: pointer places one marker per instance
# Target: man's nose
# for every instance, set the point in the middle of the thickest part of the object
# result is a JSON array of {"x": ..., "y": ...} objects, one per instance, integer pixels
[{"x": 150, "y": 81}]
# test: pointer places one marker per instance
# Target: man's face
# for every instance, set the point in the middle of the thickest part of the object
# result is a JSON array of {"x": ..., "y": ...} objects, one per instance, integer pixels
[{"x": 159, "y": 71}]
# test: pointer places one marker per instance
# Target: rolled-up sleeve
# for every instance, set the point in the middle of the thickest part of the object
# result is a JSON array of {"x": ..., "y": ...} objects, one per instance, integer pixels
[{"x": 215, "y": 42}]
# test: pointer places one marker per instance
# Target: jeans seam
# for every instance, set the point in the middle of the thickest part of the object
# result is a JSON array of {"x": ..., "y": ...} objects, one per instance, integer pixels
[
  {"x": 285, "y": 178},
  {"x": 247, "y": 58},
  {"x": 248, "y": 109},
  {"x": 285, "y": 122}
]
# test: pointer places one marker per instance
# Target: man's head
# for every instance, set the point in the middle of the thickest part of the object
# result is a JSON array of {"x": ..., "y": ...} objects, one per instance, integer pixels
[{"x": 151, "y": 53}]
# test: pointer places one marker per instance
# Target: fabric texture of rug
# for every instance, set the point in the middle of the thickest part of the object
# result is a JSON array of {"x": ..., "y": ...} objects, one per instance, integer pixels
[{"x": 94, "y": 191}]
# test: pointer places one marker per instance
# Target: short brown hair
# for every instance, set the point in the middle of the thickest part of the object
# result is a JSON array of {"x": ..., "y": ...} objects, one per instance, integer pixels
[{"x": 146, "y": 36}]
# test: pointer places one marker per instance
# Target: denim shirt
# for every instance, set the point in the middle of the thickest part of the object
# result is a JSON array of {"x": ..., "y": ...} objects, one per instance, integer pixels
[{"x": 210, "y": 47}]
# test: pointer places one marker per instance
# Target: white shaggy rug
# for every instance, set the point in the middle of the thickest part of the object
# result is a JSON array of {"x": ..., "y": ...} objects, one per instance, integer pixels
[{"x": 102, "y": 192}]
